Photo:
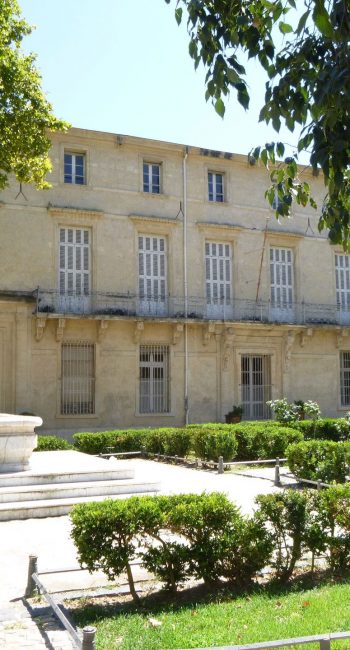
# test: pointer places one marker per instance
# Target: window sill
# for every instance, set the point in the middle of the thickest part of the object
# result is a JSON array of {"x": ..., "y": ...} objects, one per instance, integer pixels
[
  {"x": 59, "y": 416},
  {"x": 155, "y": 195},
  {"x": 158, "y": 415},
  {"x": 221, "y": 203}
]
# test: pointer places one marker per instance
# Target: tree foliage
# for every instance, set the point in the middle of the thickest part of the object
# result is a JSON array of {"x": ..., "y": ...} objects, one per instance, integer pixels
[
  {"x": 306, "y": 58},
  {"x": 25, "y": 114}
]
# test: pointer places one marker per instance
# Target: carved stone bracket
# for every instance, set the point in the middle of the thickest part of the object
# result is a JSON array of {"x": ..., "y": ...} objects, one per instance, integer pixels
[
  {"x": 208, "y": 332},
  {"x": 341, "y": 335},
  {"x": 102, "y": 329},
  {"x": 177, "y": 332},
  {"x": 140, "y": 326},
  {"x": 305, "y": 335},
  {"x": 40, "y": 327},
  {"x": 289, "y": 341},
  {"x": 60, "y": 329},
  {"x": 229, "y": 336}
]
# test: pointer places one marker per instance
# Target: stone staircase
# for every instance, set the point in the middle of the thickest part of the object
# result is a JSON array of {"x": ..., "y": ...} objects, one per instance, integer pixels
[{"x": 58, "y": 480}]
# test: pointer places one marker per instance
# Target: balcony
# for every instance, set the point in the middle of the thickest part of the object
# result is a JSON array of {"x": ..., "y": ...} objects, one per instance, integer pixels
[{"x": 131, "y": 305}]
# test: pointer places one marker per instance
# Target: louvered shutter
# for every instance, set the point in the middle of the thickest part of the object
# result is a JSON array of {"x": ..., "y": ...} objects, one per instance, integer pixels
[
  {"x": 74, "y": 258},
  {"x": 281, "y": 276},
  {"x": 342, "y": 279},
  {"x": 218, "y": 273},
  {"x": 152, "y": 269}
]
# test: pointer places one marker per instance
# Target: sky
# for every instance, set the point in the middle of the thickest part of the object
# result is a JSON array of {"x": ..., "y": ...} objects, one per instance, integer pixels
[{"x": 123, "y": 66}]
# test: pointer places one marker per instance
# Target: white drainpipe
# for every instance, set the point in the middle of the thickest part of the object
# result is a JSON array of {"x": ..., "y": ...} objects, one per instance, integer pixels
[{"x": 186, "y": 400}]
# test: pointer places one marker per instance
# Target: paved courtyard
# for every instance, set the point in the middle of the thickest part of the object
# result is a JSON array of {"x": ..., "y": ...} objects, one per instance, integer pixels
[{"x": 50, "y": 540}]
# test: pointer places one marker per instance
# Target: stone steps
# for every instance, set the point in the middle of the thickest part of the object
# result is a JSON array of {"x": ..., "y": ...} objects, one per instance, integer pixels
[
  {"x": 72, "y": 490},
  {"x": 57, "y": 507},
  {"x": 45, "y": 478},
  {"x": 58, "y": 480}
]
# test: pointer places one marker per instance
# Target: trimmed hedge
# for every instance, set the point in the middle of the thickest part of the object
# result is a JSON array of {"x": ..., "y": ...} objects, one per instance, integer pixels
[
  {"x": 168, "y": 441},
  {"x": 52, "y": 443},
  {"x": 213, "y": 539},
  {"x": 209, "y": 444},
  {"x": 320, "y": 460},
  {"x": 324, "y": 429},
  {"x": 206, "y": 536},
  {"x": 259, "y": 441}
]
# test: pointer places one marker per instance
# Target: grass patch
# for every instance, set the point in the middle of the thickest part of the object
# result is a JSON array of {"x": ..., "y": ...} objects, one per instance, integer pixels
[{"x": 191, "y": 621}]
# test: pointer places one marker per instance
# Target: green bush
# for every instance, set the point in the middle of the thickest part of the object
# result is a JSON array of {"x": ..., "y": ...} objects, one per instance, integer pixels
[
  {"x": 324, "y": 429},
  {"x": 209, "y": 444},
  {"x": 264, "y": 440},
  {"x": 52, "y": 443},
  {"x": 213, "y": 539},
  {"x": 169, "y": 441},
  {"x": 285, "y": 516},
  {"x": 107, "y": 534},
  {"x": 322, "y": 460},
  {"x": 330, "y": 523}
]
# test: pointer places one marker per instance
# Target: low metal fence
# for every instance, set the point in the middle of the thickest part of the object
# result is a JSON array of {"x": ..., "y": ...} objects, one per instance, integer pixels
[
  {"x": 34, "y": 585},
  {"x": 324, "y": 641}
]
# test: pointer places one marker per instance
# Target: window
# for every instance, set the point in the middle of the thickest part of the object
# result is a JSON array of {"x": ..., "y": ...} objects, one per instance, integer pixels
[
  {"x": 151, "y": 178},
  {"x": 281, "y": 276},
  {"x": 342, "y": 280},
  {"x": 218, "y": 276},
  {"x": 345, "y": 378},
  {"x": 77, "y": 378},
  {"x": 255, "y": 386},
  {"x": 74, "y": 168},
  {"x": 216, "y": 187},
  {"x": 74, "y": 268},
  {"x": 154, "y": 379},
  {"x": 152, "y": 273}
]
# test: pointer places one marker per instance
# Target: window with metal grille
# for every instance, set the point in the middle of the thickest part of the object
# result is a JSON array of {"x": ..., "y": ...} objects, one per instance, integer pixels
[
  {"x": 342, "y": 279},
  {"x": 74, "y": 168},
  {"x": 345, "y": 378},
  {"x": 215, "y": 187},
  {"x": 154, "y": 379},
  {"x": 218, "y": 273},
  {"x": 77, "y": 378},
  {"x": 74, "y": 261},
  {"x": 281, "y": 276},
  {"x": 255, "y": 386},
  {"x": 151, "y": 178}
]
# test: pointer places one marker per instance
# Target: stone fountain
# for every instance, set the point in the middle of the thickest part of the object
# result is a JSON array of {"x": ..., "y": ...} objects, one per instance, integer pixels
[{"x": 17, "y": 441}]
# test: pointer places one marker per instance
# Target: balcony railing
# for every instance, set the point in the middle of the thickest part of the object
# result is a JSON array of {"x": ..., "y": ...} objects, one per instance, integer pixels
[{"x": 130, "y": 305}]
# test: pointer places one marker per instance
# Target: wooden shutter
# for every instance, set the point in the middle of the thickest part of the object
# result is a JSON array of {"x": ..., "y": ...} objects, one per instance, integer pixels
[
  {"x": 342, "y": 279},
  {"x": 152, "y": 268},
  {"x": 74, "y": 261},
  {"x": 281, "y": 275},
  {"x": 218, "y": 273}
]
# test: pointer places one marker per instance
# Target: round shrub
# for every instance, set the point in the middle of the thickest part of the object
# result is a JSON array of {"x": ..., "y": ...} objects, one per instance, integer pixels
[
  {"x": 264, "y": 440},
  {"x": 210, "y": 444},
  {"x": 320, "y": 460},
  {"x": 52, "y": 443}
]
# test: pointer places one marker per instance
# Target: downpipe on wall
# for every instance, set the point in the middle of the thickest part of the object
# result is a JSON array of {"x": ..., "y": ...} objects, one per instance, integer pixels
[{"x": 186, "y": 398}]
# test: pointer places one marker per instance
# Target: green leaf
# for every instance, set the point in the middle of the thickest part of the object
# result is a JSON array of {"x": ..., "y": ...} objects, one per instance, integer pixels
[
  {"x": 303, "y": 21},
  {"x": 285, "y": 28},
  {"x": 178, "y": 15},
  {"x": 263, "y": 157},
  {"x": 220, "y": 107},
  {"x": 321, "y": 19}
]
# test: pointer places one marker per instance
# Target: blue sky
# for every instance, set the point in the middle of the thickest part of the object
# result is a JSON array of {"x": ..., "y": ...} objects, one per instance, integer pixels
[{"x": 123, "y": 66}]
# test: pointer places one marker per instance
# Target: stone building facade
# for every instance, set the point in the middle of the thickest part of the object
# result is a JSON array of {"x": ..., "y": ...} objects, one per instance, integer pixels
[{"x": 153, "y": 286}]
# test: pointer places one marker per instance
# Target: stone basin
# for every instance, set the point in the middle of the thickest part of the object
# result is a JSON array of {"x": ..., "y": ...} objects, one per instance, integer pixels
[{"x": 17, "y": 441}]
